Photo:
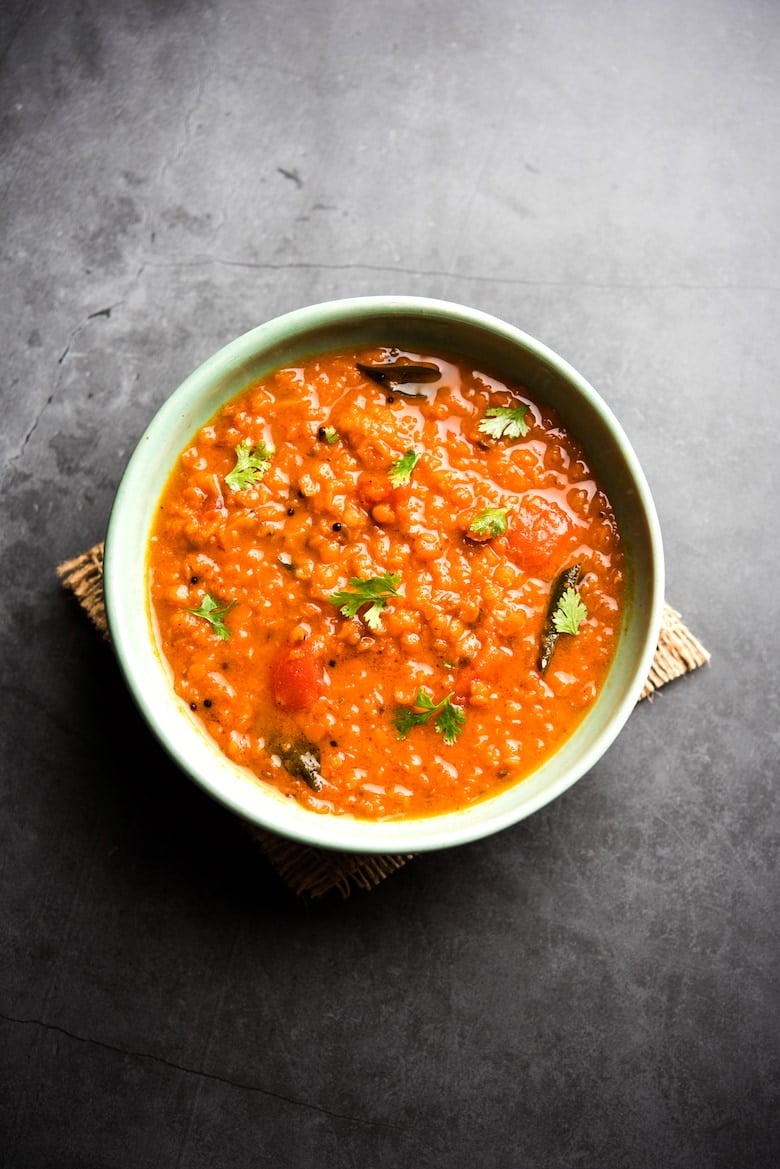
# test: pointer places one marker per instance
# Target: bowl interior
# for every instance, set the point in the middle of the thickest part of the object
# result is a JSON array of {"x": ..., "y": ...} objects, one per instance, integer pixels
[{"x": 424, "y": 326}]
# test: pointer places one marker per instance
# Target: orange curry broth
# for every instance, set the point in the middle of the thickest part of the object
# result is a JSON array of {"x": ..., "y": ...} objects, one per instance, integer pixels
[{"x": 469, "y": 614}]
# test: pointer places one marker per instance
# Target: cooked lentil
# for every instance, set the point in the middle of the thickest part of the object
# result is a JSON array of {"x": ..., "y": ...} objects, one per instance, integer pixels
[{"x": 466, "y": 619}]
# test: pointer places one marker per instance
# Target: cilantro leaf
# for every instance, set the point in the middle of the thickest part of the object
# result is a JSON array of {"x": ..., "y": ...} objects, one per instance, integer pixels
[
  {"x": 376, "y": 591},
  {"x": 401, "y": 471},
  {"x": 505, "y": 422},
  {"x": 407, "y": 717},
  {"x": 211, "y": 611},
  {"x": 252, "y": 463},
  {"x": 570, "y": 612},
  {"x": 328, "y": 434},
  {"x": 448, "y": 720},
  {"x": 490, "y": 522}
]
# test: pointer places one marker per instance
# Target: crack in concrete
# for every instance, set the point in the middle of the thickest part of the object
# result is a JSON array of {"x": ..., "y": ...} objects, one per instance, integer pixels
[
  {"x": 186, "y": 133},
  {"x": 20, "y": 454},
  {"x": 477, "y": 278},
  {"x": 292, "y": 175},
  {"x": 50, "y": 398},
  {"x": 74, "y": 334},
  {"x": 214, "y": 1077}
]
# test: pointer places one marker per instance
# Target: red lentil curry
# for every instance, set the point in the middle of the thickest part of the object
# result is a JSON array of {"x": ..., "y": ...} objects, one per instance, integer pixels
[{"x": 387, "y": 583}]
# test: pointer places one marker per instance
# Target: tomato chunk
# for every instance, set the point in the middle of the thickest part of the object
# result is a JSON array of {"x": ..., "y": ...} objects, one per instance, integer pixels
[
  {"x": 373, "y": 488},
  {"x": 296, "y": 676},
  {"x": 539, "y": 532}
]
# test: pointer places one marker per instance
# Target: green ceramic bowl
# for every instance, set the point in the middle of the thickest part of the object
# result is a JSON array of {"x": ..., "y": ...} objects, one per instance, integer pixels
[{"x": 424, "y": 326}]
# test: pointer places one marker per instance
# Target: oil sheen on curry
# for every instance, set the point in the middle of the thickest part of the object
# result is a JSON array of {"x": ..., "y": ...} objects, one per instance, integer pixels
[{"x": 386, "y": 583}]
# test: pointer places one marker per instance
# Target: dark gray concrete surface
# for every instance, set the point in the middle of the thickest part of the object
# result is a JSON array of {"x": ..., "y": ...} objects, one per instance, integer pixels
[{"x": 598, "y": 986}]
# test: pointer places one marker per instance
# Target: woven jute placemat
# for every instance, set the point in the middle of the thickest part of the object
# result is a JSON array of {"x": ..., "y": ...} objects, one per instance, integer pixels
[{"x": 314, "y": 871}]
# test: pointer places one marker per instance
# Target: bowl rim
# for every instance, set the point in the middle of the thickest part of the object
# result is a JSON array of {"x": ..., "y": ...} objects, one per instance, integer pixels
[{"x": 136, "y": 654}]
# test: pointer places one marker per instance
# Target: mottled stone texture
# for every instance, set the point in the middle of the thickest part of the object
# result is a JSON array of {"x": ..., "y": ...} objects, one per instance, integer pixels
[{"x": 595, "y": 987}]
